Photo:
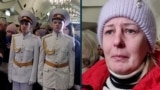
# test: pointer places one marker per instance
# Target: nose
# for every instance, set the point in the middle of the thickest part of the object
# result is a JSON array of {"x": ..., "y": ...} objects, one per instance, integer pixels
[{"x": 119, "y": 39}]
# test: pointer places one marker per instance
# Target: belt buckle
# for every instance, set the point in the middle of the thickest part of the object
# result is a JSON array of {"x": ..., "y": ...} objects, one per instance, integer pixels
[
  {"x": 19, "y": 65},
  {"x": 57, "y": 65}
]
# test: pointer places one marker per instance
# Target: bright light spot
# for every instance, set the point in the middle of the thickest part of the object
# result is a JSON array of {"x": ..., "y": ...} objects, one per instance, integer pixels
[
  {"x": 48, "y": 13},
  {"x": 7, "y": 13}
]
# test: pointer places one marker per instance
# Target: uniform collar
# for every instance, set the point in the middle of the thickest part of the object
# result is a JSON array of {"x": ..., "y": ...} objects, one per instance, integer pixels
[
  {"x": 25, "y": 36},
  {"x": 57, "y": 34}
]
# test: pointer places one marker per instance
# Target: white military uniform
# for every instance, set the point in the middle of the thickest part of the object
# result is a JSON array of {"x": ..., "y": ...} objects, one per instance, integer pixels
[
  {"x": 24, "y": 55},
  {"x": 56, "y": 49},
  {"x": 23, "y": 60}
]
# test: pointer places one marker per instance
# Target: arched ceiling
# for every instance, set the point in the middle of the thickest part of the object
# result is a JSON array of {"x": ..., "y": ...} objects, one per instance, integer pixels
[{"x": 39, "y": 7}]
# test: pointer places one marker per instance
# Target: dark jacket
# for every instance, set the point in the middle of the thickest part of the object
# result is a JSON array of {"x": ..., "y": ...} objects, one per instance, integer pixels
[{"x": 3, "y": 44}]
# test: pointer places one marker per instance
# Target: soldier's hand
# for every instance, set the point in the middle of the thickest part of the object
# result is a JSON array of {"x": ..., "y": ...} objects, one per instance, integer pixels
[{"x": 10, "y": 80}]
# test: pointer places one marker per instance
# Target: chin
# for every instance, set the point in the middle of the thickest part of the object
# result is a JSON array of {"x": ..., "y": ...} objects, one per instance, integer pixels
[
  {"x": 121, "y": 69},
  {"x": 121, "y": 72}
]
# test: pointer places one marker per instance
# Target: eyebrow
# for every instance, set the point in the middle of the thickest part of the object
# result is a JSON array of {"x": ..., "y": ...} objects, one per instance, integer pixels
[{"x": 124, "y": 24}]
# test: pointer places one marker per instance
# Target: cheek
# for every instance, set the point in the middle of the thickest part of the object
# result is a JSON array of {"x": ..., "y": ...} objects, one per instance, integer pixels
[
  {"x": 138, "y": 46},
  {"x": 106, "y": 46},
  {"x": 138, "y": 50},
  {"x": 52, "y": 25},
  {"x": 60, "y": 25},
  {"x": 22, "y": 27},
  {"x": 55, "y": 26}
]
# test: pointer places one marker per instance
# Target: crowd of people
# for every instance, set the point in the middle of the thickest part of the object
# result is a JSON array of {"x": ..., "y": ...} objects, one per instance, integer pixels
[
  {"x": 37, "y": 56},
  {"x": 123, "y": 55}
]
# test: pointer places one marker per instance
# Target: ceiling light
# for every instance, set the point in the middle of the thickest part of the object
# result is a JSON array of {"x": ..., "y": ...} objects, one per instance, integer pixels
[
  {"x": 7, "y": 13},
  {"x": 48, "y": 13}
]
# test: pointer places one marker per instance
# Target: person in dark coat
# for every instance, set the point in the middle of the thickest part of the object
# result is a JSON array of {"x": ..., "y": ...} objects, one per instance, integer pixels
[{"x": 4, "y": 84}]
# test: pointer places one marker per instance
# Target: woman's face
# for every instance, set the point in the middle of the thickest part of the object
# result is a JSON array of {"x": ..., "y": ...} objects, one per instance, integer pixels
[{"x": 125, "y": 45}]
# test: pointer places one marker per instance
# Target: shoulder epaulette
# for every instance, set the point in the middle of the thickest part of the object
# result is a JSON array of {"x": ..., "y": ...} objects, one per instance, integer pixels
[
  {"x": 14, "y": 35},
  {"x": 13, "y": 43},
  {"x": 44, "y": 42}
]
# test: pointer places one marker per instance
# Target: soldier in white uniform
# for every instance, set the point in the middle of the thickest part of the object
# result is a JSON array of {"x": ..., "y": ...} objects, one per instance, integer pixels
[
  {"x": 57, "y": 57},
  {"x": 24, "y": 54}
]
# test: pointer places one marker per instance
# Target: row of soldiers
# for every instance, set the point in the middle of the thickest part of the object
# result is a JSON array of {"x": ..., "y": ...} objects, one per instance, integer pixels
[{"x": 50, "y": 60}]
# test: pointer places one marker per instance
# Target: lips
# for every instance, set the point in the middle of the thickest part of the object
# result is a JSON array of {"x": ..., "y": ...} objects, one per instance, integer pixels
[{"x": 119, "y": 57}]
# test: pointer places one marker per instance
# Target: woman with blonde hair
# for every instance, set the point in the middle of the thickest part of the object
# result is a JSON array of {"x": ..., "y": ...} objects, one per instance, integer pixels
[
  {"x": 89, "y": 49},
  {"x": 127, "y": 34}
]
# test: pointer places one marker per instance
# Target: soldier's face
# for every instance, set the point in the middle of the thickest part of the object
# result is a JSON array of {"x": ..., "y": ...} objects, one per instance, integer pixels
[
  {"x": 56, "y": 25},
  {"x": 24, "y": 26}
]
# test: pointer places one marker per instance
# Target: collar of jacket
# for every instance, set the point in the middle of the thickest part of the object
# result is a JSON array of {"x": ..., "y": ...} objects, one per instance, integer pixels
[
  {"x": 26, "y": 36},
  {"x": 57, "y": 35}
]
